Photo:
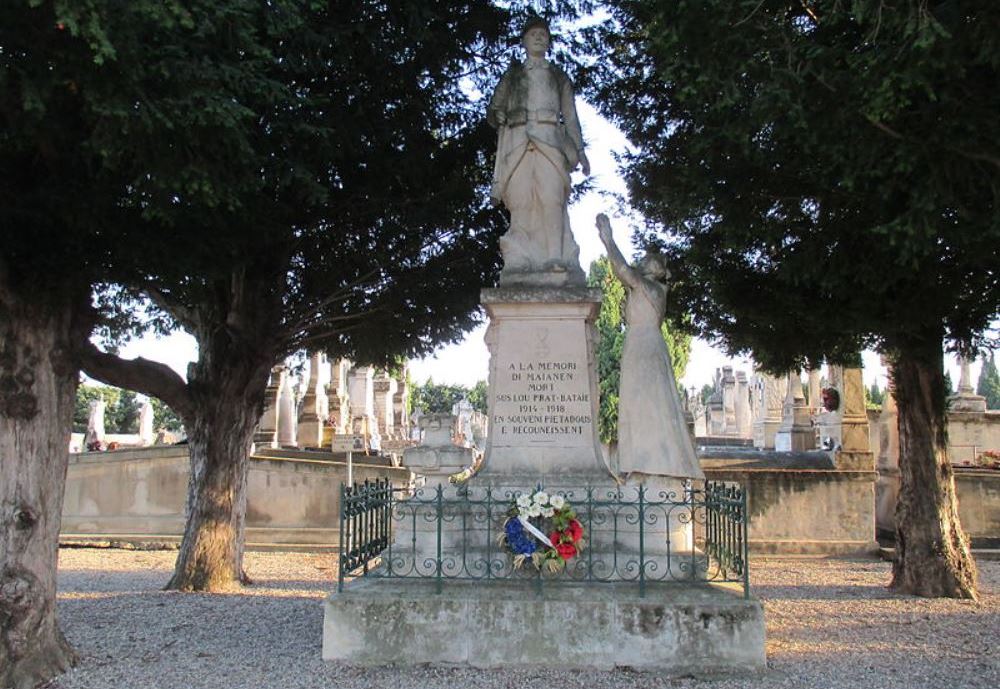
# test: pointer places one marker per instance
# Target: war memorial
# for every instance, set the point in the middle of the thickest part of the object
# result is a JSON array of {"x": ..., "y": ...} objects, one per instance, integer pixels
[{"x": 551, "y": 552}]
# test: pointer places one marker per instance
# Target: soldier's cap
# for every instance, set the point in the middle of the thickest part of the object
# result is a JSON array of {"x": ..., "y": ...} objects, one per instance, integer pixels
[{"x": 534, "y": 23}]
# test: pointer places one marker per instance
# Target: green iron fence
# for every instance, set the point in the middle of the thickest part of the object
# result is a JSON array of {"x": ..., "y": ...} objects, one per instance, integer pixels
[{"x": 441, "y": 534}]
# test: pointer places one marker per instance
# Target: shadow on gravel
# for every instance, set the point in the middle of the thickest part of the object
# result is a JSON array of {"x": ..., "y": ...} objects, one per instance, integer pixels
[{"x": 836, "y": 592}]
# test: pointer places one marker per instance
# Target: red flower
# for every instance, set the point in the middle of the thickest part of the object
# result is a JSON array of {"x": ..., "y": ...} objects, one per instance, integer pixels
[
  {"x": 556, "y": 537},
  {"x": 566, "y": 550},
  {"x": 575, "y": 531}
]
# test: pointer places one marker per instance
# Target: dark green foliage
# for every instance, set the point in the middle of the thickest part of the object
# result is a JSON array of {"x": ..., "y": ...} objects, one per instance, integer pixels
[
  {"x": 874, "y": 397},
  {"x": 611, "y": 331},
  {"x": 988, "y": 384},
  {"x": 825, "y": 177},
  {"x": 439, "y": 398},
  {"x": 479, "y": 396},
  {"x": 164, "y": 417},
  {"x": 706, "y": 393},
  {"x": 123, "y": 417},
  {"x": 121, "y": 409},
  {"x": 949, "y": 387},
  {"x": 827, "y": 173}
]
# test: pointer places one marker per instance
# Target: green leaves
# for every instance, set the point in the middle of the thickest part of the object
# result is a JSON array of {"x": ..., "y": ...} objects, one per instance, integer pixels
[{"x": 810, "y": 164}]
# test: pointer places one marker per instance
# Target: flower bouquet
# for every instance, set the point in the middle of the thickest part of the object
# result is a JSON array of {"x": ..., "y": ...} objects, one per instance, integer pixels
[{"x": 542, "y": 529}]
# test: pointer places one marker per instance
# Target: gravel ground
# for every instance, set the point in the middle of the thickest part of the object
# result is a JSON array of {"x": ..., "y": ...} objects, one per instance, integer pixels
[{"x": 830, "y": 623}]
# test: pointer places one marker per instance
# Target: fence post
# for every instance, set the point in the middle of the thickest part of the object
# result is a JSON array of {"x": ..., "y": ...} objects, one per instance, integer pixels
[
  {"x": 440, "y": 516},
  {"x": 642, "y": 542},
  {"x": 343, "y": 539},
  {"x": 745, "y": 554}
]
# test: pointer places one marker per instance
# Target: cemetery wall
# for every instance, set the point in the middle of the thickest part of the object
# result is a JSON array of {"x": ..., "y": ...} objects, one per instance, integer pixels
[
  {"x": 139, "y": 495},
  {"x": 806, "y": 503}
]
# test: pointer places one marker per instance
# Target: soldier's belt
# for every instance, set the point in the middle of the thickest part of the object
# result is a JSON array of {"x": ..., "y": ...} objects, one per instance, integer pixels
[{"x": 519, "y": 117}]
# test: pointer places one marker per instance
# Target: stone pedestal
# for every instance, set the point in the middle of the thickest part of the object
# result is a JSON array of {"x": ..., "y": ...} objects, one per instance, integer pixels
[
  {"x": 699, "y": 630},
  {"x": 966, "y": 400},
  {"x": 543, "y": 402},
  {"x": 543, "y": 409}
]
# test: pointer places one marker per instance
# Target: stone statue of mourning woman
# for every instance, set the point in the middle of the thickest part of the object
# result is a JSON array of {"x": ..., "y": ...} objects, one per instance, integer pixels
[{"x": 653, "y": 438}]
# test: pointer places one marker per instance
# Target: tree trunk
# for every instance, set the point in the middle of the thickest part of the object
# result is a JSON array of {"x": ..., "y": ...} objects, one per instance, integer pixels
[
  {"x": 227, "y": 401},
  {"x": 932, "y": 551},
  {"x": 38, "y": 382}
]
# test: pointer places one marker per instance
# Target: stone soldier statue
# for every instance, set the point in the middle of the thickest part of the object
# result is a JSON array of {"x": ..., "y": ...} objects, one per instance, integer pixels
[{"x": 539, "y": 144}]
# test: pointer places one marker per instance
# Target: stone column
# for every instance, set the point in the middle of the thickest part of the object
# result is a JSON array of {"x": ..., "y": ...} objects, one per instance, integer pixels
[
  {"x": 854, "y": 417},
  {"x": 796, "y": 432},
  {"x": 729, "y": 427},
  {"x": 887, "y": 486},
  {"x": 815, "y": 391},
  {"x": 401, "y": 421},
  {"x": 315, "y": 406},
  {"x": 146, "y": 435},
  {"x": 266, "y": 434},
  {"x": 771, "y": 400},
  {"x": 742, "y": 405},
  {"x": 716, "y": 416},
  {"x": 699, "y": 412},
  {"x": 286, "y": 413},
  {"x": 340, "y": 410},
  {"x": 384, "y": 389}
]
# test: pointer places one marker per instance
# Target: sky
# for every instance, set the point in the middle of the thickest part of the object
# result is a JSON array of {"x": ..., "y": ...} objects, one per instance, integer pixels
[{"x": 467, "y": 362}]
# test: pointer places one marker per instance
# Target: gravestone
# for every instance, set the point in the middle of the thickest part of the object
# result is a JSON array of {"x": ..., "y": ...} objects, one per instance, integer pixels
[
  {"x": 146, "y": 435},
  {"x": 266, "y": 434},
  {"x": 795, "y": 434},
  {"x": 728, "y": 383},
  {"x": 742, "y": 406},
  {"x": 95, "y": 424},
  {"x": 770, "y": 394},
  {"x": 286, "y": 413},
  {"x": 339, "y": 418},
  {"x": 383, "y": 392},
  {"x": 315, "y": 406}
]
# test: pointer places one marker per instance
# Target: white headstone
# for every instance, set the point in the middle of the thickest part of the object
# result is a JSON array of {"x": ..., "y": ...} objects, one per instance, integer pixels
[
  {"x": 146, "y": 435},
  {"x": 95, "y": 423},
  {"x": 286, "y": 414}
]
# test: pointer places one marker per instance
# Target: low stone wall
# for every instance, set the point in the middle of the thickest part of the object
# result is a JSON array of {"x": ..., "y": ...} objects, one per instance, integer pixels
[
  {"x": 978, "y": 493},
  {"x": 139, "y": 495},
  {"x": 969, "y": 433},
  {"x": 808, "y": 503}
]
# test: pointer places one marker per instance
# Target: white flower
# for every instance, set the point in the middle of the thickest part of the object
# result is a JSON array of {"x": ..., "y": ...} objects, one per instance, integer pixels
[
  {"x": 557, "y": 501},
  {"x": 548, "y": 512},
  {"x": 541, "y": 498},
  {"x": 524, "y": 501},
  {"x": 534, "y": 511}
]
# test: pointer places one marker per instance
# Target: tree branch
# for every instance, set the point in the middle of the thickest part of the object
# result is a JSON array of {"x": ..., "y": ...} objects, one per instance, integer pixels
[
  {"x": 140, "y": 375},
  {"x": 180, "y": 313}
]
